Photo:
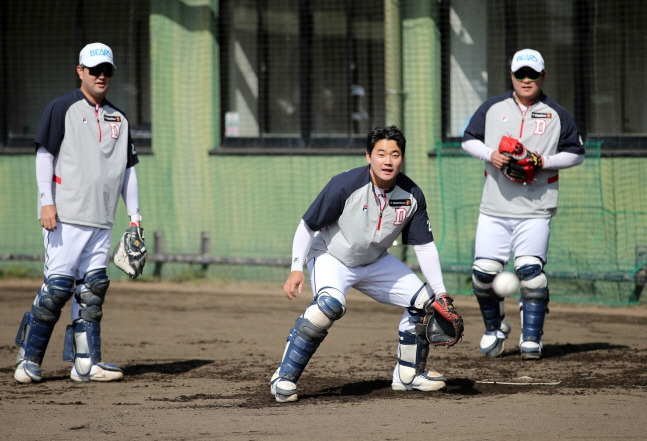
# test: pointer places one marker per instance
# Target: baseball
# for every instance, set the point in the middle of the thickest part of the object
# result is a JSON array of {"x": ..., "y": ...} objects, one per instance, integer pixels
[{"x": 506, "y": 284}]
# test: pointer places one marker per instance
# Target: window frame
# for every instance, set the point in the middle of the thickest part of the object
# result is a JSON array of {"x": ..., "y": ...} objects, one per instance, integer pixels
[
  {"x": 24, "y": 144},
  {"x": 303, "y": 142},
  {"x": 613, "y": 145}
]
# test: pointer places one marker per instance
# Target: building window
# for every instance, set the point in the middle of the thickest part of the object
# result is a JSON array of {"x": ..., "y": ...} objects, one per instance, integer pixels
[
  {"x": 39, "y": 50},
  {"x": 592, "y": 49},
  {"x": 301, "y": 73}
]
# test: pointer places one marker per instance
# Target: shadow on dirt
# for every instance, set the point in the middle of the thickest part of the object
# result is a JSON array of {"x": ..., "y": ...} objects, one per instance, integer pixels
[
  {"x": 173, "y": 367},
  {"x": 377, "y": 388},
  {"x": 567, "y": 349},
  {"x": 552, "y": 351}
]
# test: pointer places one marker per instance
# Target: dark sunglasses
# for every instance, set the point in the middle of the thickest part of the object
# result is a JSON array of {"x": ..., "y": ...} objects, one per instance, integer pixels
[
  {"x": 105, "y": 68},
  {"x": 531, "y": 74}
]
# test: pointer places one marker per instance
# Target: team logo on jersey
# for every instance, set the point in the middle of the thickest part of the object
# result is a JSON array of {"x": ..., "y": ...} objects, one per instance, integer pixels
[
  {"x": 400, "y": 202},
  {"x": 540, "y": 127},
  {"x": 542, "y": 115},
  {"x": 400, "y": 215},
  {"x": 112, "y": 118},
  {"x": 114, "y": 130}
]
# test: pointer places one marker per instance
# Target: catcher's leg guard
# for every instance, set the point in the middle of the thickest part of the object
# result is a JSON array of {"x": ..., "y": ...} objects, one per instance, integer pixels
[
  {"x": 309, "y": 331},
  {"x": 497, "y": 327},
  {"x": 413, "y": 350},
  {"x": 36, "y": 327},
  {"x": 83, "y": 336},
  {"x": 410, "y": 372},
  {"x": 533, "y": 305}
]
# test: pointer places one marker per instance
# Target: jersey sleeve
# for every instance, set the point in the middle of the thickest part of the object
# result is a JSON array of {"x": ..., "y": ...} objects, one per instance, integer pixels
[
  {"x": 329, "y": 204},
  {"x": 133, "y": 159},
  {"x": 476, "y": 127},
  {"x": 51, "y": 128},
  {"x": 569, "y": 138},
  {"x": 418, "y": 230},
  {"x": 327, "y": 207}
]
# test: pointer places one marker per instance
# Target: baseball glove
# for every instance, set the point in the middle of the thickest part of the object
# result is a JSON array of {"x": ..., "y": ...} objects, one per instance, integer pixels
[
  {"x": 130, "y": 253},
  {"x": 444, "y": 325},
  {"x": 523, "y": 163}
]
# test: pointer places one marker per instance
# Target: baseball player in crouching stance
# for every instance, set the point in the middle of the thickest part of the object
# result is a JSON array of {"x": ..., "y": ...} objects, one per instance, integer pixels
[
  {"x": 344, "y": 237},
  {"x": 524, "y": 138},
  {"x": 84, "y": 161}
]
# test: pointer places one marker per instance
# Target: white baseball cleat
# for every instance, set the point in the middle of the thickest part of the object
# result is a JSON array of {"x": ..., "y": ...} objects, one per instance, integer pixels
[
  {"x": 426, "y": 382},
  {"x": 492, "y": 342},
  {"x": 530, "y": 350},
  {"x": 99, "y": 372},
  {"x": 27, "y": 372},
  {"x": 284, "y": 391}
]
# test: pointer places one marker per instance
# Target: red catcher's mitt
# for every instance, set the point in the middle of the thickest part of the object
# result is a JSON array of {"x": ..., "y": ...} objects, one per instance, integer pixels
[
  {"x": 523, "y": 163},
  {"x": 444, "y": 325}
]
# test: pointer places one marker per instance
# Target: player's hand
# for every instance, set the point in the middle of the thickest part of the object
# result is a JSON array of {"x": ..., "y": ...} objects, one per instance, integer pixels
[
  {"x": 499, "y": 160},
  {"x": 293, "y": 284},
  {"x": 48, "y": 216}
]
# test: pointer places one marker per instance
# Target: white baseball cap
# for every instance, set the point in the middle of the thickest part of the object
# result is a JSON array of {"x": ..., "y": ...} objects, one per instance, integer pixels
[
  {"x": 527, "y": 58},
  {"x": 94, "y": 54}
]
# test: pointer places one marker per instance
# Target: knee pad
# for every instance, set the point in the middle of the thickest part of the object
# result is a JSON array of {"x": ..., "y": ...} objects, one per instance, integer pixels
[
  {"x": 483, "y": 273},
  {"x": 413, "y": 350},
  {"x": 534, "y": 284},
  {"x": 421, "y": 301},
  {"x": 92, "y": 295},
  {"x": 328, "y": 305},
  {"x": 52, "y": 297},
  {"x": 37, "y": 326}
]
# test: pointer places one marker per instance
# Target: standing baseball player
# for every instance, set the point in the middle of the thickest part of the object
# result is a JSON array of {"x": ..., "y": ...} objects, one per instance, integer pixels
[
  {"x": 525, "y": 138},
  {"x": 84, "y": 161},
  {"x": 344, "y": 237}
]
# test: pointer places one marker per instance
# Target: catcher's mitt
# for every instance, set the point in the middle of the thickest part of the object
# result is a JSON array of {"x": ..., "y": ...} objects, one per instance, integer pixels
[
  {"x": 523, "y": 163},
  {"x": 444, "y": 325},
  {"x": 130, "y": 253}
]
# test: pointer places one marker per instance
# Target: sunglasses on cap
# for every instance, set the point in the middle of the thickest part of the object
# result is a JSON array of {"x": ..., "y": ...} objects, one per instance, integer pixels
[
  {"x": 106, "y": 68},
  {"x": 531, "y": 74}
]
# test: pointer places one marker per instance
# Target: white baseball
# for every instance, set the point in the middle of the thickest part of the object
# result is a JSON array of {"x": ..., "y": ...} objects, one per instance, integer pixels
[{"x": 505, "y": 284}]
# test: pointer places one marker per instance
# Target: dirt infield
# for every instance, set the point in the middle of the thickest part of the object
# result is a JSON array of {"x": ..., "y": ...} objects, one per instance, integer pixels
[{"x": 197, "y": 359}]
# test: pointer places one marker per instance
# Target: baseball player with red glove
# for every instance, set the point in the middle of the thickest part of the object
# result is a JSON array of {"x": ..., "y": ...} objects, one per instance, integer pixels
[
  {"x": 524, "y": 139},
  {"x": 344, "y": 238},
  {"x": 84, "y": 162}
]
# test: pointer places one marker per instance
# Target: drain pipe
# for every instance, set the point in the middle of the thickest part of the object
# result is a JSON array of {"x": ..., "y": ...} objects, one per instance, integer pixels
[{"x": 393, "y": 96}]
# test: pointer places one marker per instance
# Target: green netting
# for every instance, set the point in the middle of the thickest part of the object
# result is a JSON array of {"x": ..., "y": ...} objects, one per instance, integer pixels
[{"x": 250, "y": 205}]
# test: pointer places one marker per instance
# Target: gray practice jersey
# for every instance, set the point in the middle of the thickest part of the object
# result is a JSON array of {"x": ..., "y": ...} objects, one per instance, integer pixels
[
  {"x": 352, "y": 225},
  {"x": 92, "y": 149},
  {"x": 546, "y": 128}
]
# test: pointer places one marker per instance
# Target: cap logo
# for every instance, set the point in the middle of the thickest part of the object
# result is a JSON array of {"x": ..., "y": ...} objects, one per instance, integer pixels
[
  {"x": 99, "y": 52},
  {"x": 527, "y": 57}
]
